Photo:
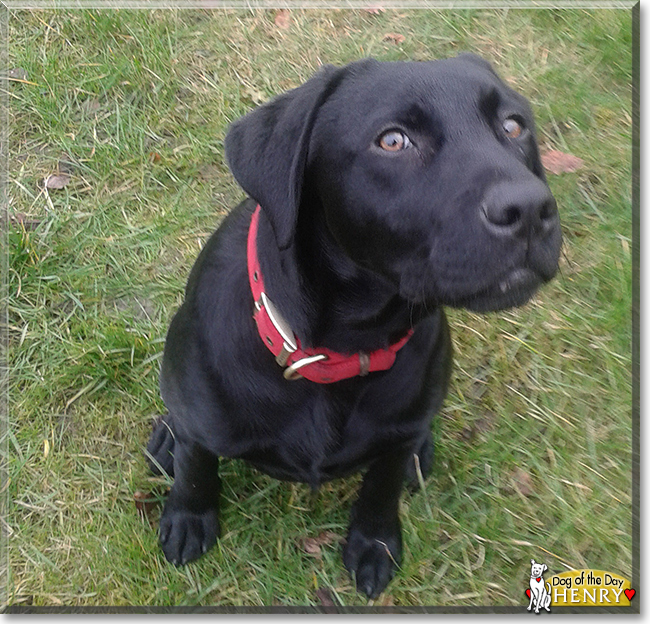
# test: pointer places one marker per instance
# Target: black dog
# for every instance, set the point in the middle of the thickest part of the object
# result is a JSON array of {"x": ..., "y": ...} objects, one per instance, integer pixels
[{"x": 312, "y": 341}]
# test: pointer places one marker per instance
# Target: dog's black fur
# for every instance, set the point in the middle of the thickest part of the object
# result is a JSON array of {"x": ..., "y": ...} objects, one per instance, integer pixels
[{"x": 357, "y": 245}]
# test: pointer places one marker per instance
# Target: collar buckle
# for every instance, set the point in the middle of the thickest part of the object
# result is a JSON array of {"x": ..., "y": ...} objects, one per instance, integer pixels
[
  {"x": 278, "y": 336},
  {"x": 293, "y": 372},
  {"x": 289, "y": 344}
]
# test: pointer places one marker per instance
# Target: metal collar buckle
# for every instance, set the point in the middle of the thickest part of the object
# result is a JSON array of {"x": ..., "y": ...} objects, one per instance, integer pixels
[
  {"x": 293, "y": 372},
  {"x": 289, "y": 344}
]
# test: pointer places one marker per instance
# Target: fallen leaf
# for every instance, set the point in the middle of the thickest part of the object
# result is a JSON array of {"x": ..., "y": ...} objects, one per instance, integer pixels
[
  {"x": 91, "y": 105},
  {"x": 324, "y": 595},
  {"x": 253, "y": 94},
  {"x": 312, "y": 545},
  {"x": 283, "y": 19},
  {"x": 444, "y": 537},
  {"x": 154, "y": 157},
  {"x": 394, "y": 38},
  {"x": 66, "y": 164},
  {"x": 468, "y": 433},
  {"x": 328, "y": 537},
  {"x": 386, "y": 601},
  {"x": 485, "y": 424},
  {"x": 522, "y": 482},
  {"x": 17, "y": 73},
  {"x": 557, "y": 162},
  {"x": 146, "y": 504},
  {"x": 374, "y": 10},
  {"x": 480, "y": 425},
  {"x": 28, "y": 224},
  {"x": 209, "y": 172},
  {"x": 57, "y": 181}
]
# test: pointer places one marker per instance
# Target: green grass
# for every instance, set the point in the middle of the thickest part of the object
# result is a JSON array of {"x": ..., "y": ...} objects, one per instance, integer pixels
[{"x": 533, "y": 452}]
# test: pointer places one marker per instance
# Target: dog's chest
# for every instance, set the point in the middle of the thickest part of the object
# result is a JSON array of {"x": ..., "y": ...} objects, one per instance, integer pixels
[{"x": 319, "y": 441}]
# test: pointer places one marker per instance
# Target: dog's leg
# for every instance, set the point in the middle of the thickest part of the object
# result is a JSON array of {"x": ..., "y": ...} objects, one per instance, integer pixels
[
  {"x": 160, "y": 448},
  {"x": 538, "y": 599},
  {"x": 532, "y": 597},
  {"x": 189, "y": 524},
  {"x": 424, "y": 463},
  {"x": 374, "y": 543}
]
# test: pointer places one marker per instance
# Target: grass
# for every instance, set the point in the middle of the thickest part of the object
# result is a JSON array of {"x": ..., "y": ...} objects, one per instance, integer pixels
[{"x": 534, "y": 441}]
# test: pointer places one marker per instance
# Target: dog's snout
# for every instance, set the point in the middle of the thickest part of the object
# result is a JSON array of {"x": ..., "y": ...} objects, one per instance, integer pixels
[{"x": 511, "y": 209}]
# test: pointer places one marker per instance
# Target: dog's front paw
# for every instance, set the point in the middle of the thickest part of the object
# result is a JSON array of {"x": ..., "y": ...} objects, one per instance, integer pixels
[
  {"x": 372, "y": 560},
  {"x": 186, "y": 535}
]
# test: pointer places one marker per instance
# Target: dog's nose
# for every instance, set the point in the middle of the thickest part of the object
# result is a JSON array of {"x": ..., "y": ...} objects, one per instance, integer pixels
[{"x": 519, "y": 209}]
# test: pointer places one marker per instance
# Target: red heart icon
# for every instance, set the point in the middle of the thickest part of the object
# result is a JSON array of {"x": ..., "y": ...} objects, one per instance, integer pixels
[
  {"x": 630, "y": 593},
  {"x": 528, "y": 592}
]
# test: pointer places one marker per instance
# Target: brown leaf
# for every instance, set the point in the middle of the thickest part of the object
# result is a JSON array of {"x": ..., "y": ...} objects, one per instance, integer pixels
[
  {"x": 21, "y": 219},
  {"x": 394, "y": 38},
  {"x": 253, "y": 94},
  {"x": 91, "y": 105},
  {"x": 324, "y": 595},
  {"x": 209, "y": 172},
  {"x": 386, "y": 601},
  {"x": 312, "y": 545},
  {"x": 66, "y": 164},
  {"x": 17, "y": 73},
  {"x": 557, "y": 162},
  {"x": 481, "y": 425},
  {"x": 467, "y": 434},
  {"x": 327, "y": 537},
  {"x": 146, "y": 504},
  {"x": 374, "y": 10},
  {"x": 485, "y": 424},
  {"x": 522, "y": 482},
  {"x": 154, "y": 157},
  {"x": 57, "y": 181},
  {"x": 283, "y": 19},
  {"x": 444, "y": 537}
]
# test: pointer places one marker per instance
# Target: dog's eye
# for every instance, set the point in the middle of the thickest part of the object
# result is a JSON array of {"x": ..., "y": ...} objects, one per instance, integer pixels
[
  {"x": 393, "y": 141},
  {"x": 512, "y": 128}
]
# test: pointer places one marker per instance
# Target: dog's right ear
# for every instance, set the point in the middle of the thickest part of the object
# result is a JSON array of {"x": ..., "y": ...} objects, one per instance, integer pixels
[
  {"x": 477, "y": 60},
  {"x": 532, "y": 561},
  {"x": 267, "y": 149}
]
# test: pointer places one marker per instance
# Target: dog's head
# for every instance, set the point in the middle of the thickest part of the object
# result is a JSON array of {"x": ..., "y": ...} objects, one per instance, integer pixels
[
  {"x": 537, "y": 569},
  {"x": 427, "y": 173}
]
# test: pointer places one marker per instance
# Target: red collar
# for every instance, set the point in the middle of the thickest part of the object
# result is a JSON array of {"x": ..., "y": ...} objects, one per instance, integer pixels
[{"x": 318, "y": 365}]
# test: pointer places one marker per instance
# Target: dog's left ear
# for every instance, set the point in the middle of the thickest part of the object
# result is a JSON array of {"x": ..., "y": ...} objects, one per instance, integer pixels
[
  {"x": 267, "y": 149},
  {"x": 544, "y": 568}
]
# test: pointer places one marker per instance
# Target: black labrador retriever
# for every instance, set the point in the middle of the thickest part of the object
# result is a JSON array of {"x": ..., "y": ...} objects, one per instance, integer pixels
[{"x": 312, "y": 341}]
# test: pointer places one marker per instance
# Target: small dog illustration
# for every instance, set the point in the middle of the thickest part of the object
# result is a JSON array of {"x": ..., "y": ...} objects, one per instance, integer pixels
[{"x": 539, "y": 594}]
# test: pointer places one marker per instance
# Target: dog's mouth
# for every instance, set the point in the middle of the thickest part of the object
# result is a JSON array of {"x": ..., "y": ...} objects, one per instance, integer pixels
[
  {"x": 513, "y": 290},
  {"x": 510, "y": 290}
]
